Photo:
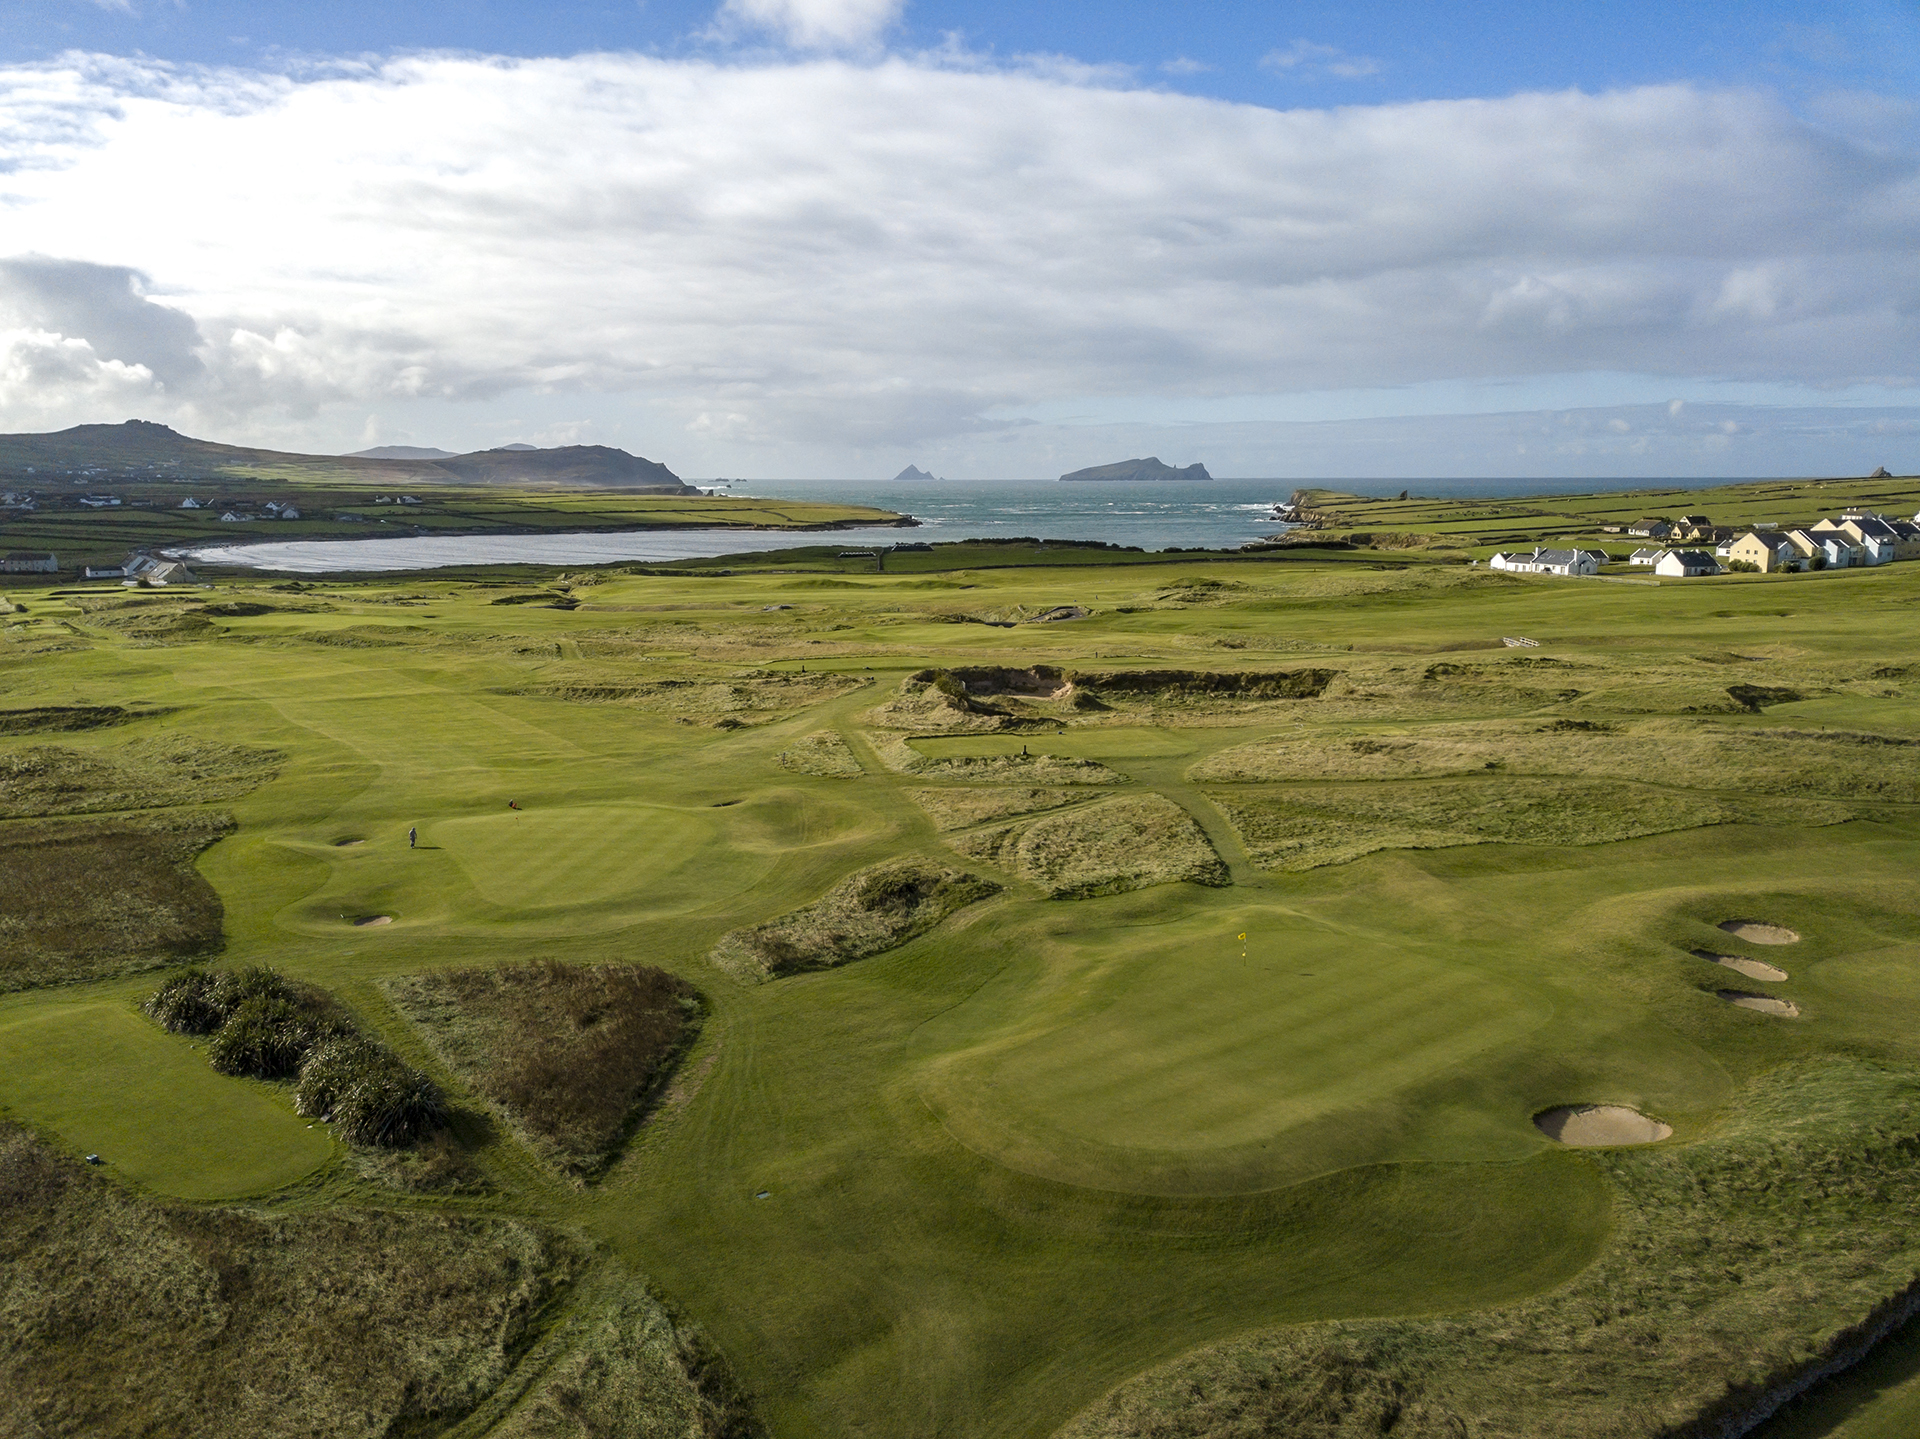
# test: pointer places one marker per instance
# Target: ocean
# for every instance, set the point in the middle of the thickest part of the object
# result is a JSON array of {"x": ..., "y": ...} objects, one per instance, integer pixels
[{"x": 1217, "y": 514}]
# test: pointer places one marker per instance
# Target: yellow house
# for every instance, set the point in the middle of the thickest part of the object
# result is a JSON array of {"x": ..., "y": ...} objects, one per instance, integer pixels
[{"x": 1758, "y": 549}]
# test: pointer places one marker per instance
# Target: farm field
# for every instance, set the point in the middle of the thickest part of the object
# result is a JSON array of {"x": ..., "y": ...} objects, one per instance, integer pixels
[{"x": 1152, "y": 1012}]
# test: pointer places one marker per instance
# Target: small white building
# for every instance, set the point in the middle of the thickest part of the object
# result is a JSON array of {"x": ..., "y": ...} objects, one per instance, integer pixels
[
  {"x": 230, "y": 518},
  {"x": 190, "y": 503},
  {"x": 1685, "y": 564},
  {"x": 1645, "y": 557},
  {"x": 1547, "y": 562},
  {"x": 29, "y": 562}
]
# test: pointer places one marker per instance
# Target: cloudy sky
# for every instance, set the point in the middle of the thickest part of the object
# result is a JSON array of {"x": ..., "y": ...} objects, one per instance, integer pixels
[{"x": 828, "y": 237}]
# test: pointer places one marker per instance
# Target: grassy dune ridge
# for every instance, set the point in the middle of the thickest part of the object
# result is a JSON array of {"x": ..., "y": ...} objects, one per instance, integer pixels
[{"x": 1274, "y": 1132}]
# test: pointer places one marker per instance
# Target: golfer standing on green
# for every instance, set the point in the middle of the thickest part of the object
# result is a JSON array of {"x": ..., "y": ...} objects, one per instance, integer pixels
[{"x": 413, "y": 837}]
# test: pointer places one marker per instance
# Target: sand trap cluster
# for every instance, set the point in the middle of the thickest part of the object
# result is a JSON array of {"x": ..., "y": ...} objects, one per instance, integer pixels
[
  {"x": 373, "y": 919},
  {"x": 1764, "y": 1003},
  {"x": 1751, "y": 968},
  {"x": 1594, "y": 1126},
  {"x": 1755, "y": 931}
]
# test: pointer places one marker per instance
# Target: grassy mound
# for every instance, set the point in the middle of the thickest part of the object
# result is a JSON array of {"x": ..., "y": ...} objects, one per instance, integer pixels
[
  {"x": 1119, "y": 844},
  {"x": 571, "y": 1054},
  {"x": 1305, "y": 826},
  {"x": 753, "y": 695},
  {"x": 898, "y": 755},
  {"x": 80, "y": 900},
  {"x": 964, "y": 808},
  {"x": 1811, "y": 764},
  {"x": 825, "y": 754},
  {"x": 1738, "y": 1266},
  {"x": 120, "y": 1315},
  {"x": 633, "y": 1371},
  {"x": 874, "y": 910},
  {"x": 142, "y": 774},
  {"x": 937, "y": 701}
]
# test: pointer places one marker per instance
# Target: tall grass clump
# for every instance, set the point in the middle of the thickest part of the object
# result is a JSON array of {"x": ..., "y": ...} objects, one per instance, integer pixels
[
  {"x": 264, "y": 1027},
  {"x": 266, "y": 1037},
  {"x": 372, "y": 1096}
]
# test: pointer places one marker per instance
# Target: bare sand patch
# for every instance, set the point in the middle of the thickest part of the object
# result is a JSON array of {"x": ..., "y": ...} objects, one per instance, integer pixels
[
  {"x": 372, "y": 919},
  {"x": 1764, "y": 1003},
  {"x": 1595, "y": 1126},
  {"x": 1751, "y": 968},
  {"x": 1755, "y": 931},
  {"x": 347, "y": 843}
]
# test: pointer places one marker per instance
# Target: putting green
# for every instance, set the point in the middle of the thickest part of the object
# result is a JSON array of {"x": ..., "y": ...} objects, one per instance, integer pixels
[
  {"x": 1177, "y": 1066},
  {"x": 110, "y": 1082},
  {"x": 576, "y": 854}
]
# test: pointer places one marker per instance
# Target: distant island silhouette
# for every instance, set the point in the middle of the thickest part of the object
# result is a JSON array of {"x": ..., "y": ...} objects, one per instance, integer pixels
[{"x": 1150, "y": 468}]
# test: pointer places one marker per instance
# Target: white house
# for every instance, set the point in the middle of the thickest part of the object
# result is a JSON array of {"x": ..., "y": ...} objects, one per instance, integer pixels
[
  {"x": 190, "y": 503},
  {"x": 1683, "y": 564},
  {"x": 1836, "y": 548},
  {"x": 1645, "y": 557},
  {"x": 1547, "y": 562},
  {"x": 102, "y": 572},
  {"x": 28, "y": 562},
  {"x": 230, "y": 518}
]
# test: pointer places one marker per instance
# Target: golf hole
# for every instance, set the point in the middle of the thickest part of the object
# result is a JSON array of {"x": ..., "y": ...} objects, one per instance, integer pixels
[
  {"x": 372, "y": 919},
  {"x": 1758, "y": 931},
  {"x": 1751, "y": 968},
  {"x": 1595, "y": 1126},
  {"x": 1763, "y": 1003}
]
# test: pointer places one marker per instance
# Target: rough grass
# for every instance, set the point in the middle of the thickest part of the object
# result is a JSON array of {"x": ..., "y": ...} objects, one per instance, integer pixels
[
  {"x": 142, "y": 774},
  {"x": 631, "y": 1371},
  {"x": 903, "y": 758},
  {"x": 1305, "y": 826},
  {"x": 963, "y": 808},
  {"x": 123, "y": 1316},
  {"x": 875, "y": 909},
  {"x": 1814, "y": 764},
  {"x": 571, "y": 1055},
  {"x": 1737, "y": 1265},
  {"x": 825, "y": 754},
  {"x": 84, "y": 899},
  {"x": 755, "y": 694},
  {"x": 57, "y": 719},
  {"x": 1119, "y": 844}
]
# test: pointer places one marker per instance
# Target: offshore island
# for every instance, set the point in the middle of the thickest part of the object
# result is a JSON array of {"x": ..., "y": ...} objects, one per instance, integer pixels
[{"x": 1150, "y": 468}]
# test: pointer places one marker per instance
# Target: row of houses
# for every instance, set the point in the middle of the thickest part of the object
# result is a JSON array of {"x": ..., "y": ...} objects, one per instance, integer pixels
[
  {"x": 242, "y": 513},
  {"x": 1856, "y": 538}
]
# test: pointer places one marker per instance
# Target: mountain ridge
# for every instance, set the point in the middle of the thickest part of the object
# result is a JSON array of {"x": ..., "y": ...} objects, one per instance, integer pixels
[{"x": 144, "y": 449}]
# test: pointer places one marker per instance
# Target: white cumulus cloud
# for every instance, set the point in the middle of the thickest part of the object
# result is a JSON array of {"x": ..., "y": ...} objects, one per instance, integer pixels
[
  {"x": 815, "y": 24},
  {"x": 820, "y": 257}
]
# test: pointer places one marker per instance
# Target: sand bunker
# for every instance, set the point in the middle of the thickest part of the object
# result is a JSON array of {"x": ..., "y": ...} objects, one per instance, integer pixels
[
  {"x": 347, "y": 843},
  {"x": 1766, "y": 1004},
  {"x": 1755, "y": 931},
  {"x": 1594, "y": 1126},
  {"x": 373, "y": 919},
  {"x": 1751, "y": 968}
]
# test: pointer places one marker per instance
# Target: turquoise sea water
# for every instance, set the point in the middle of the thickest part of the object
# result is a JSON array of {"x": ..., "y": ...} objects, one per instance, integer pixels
[{"x": 1217, "y": 514}]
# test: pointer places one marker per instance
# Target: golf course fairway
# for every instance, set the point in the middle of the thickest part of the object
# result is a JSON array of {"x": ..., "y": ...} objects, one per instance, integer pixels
[{"x": 1148, "y": 1053}]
